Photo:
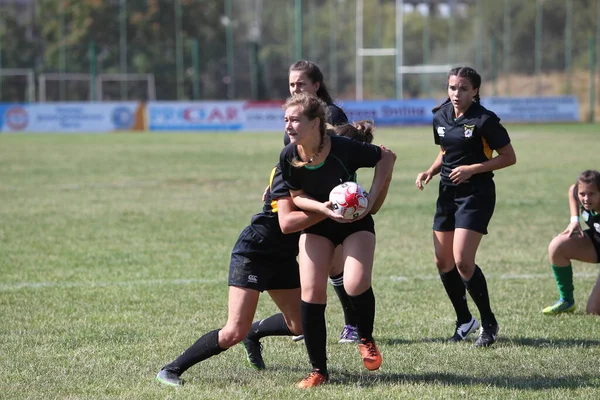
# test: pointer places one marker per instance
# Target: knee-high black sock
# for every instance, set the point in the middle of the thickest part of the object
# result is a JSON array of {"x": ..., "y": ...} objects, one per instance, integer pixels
[
  {"x": 477, "y": 287},
  {"x": 364, "y": 306},
  {"x": 315, "y": 334},
  {"x": 205, "y": 347},
  {"x": 338, "y": 285},
  {"x": 273, "y": 326},
  {"x": 455, "y": 288}
]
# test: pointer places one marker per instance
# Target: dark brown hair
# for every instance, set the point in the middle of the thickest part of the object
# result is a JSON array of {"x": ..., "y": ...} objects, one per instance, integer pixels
[
  {"x": 463, "y": 72},
  {"x": 361, "y": 131},
  {"x": 313, "y": 72}
]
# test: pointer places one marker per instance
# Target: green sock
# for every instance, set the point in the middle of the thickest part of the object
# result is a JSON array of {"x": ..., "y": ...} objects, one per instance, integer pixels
[{"x": 564, "y": 281}]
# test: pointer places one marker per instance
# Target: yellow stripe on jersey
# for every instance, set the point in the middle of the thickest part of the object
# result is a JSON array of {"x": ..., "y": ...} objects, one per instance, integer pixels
[
  {"x": 272, "y": 177},
  {"x": 273, "y": 202},
  {"x": 486, "y": 149}
]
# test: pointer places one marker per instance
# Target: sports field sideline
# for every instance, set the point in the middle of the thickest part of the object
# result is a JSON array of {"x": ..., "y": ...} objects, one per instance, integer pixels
[{"x": 114, "y": 254}]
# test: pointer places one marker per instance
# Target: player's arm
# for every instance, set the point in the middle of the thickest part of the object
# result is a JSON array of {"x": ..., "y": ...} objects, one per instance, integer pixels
[
  {"x": 423, "y": 178},
  {"x": 382, "y": 178},
  {"x": 574, "y": 228},
  {"x": 292, "y": 219},
  {"x": 383, "y": 194},
  {"x": 308, "y": 203},
  {"x": 505, "y": 158}
]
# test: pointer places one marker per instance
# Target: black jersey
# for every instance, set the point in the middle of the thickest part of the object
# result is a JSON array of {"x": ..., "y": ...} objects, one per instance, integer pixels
[
  {"x": 336, "y": 116},
  {"x": 340, "y": 165},
  {"x": 467, "y": 140},
  {"x": 592, "y": 220},
  {"x": 266, "y": 223}
]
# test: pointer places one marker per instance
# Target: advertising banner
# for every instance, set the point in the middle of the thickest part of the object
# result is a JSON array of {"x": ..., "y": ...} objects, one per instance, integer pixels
[
  {"x": 391, "y": 112},
  {"x": 71, "y": 117},
  {"x": 264, "y": 116},
  {"x": 196, "y": 116},
  {"x": 534, "y": 109}
]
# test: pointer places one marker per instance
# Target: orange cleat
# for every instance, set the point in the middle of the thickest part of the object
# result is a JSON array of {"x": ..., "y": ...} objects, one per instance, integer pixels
[
  {"x": 370, "y": 354},
  {"x": 315, "y": 378}
]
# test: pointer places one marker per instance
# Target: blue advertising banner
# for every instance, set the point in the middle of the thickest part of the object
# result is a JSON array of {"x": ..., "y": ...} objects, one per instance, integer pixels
[
  {"x": 391, "y": 112},
  {"x": 71, "y": 117},
  {"x": 534, "y": 109},
  {"x": 185, "y": 116}
]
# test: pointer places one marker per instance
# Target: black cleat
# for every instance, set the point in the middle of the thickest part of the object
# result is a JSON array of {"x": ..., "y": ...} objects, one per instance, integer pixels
[
  {"x": 254, "y": 353},
  {"x": 487, "y": 336}
]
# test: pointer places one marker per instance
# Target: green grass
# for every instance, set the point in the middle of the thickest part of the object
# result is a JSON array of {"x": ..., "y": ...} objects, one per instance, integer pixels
[{"x": 114, "y": 254}]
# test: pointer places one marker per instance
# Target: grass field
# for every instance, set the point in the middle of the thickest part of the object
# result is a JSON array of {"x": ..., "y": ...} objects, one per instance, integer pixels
[{"x": 114, "y": 254}]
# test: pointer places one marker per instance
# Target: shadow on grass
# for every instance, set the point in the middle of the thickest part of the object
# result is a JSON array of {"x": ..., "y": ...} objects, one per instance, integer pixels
[
  {"x": 531, "y": 382},
  {"x": 540, "y": 342},
  {"x": 510, "y": 341}
]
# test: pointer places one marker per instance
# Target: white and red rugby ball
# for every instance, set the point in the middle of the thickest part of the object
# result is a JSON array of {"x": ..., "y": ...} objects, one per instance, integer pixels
[{"x": 349, "y": 200}]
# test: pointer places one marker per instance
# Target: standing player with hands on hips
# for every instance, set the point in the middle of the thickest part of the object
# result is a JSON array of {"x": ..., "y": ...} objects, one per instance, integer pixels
[
  {"x": 467, "y": 134},
  {"x": 575, "y": 244},
  {"x": 312, "y": 165}
]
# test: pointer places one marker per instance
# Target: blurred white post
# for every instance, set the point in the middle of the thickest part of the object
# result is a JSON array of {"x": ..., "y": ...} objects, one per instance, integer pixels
[
  {"x": 178, "y": 50},
  {"x": 399, "y": 48},
  {"x": 123, "y": 44},
  {"x": 377, "y": 52},
  {"x": 359, "y": 46}
]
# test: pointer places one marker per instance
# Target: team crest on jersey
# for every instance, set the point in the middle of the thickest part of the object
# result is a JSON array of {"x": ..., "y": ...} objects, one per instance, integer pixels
[
  {"x": 597, "y": 227},
  {"x": 585, "y": 215},
  {"x": 441, "y": 131},
  {"x": 469, "y": 129}
]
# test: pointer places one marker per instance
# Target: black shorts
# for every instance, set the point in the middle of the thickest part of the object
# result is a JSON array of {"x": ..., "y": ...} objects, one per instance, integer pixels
[
  {"x": 337, "y": 232},
  {"x": 255, "y": 264},
  {"x": 595, "y": 238},
  {"x": 468, "y": 206}
]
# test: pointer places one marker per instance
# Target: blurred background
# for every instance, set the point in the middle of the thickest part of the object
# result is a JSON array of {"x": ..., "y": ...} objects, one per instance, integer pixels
[{"x": 104, "y": 50}]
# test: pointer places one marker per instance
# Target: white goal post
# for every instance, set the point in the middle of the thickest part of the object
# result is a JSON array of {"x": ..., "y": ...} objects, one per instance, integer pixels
[
  {"x": 396, "y": 52},
  {"x": 149, "y": 78},
  {"x": 29, "y": 78},
  {"x": 98, "y": 84}
]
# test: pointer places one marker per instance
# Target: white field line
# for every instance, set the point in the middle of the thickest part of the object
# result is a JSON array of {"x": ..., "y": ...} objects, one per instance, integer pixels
[{"x": 156, "y": 282}]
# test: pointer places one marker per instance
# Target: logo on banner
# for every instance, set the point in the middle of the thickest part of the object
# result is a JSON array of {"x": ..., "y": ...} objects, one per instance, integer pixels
[
  {"x": 17, "y": 118},
  {"x": 197, "y": 114},
  {"x": 122, "y": 118}
]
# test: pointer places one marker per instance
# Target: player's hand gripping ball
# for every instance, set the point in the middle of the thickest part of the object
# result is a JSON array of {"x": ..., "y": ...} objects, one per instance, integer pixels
[{"x": 349, "y": 200}]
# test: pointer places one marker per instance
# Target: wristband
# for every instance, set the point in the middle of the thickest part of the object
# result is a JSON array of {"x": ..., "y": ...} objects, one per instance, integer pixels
[{"x": 574, "y": 218}]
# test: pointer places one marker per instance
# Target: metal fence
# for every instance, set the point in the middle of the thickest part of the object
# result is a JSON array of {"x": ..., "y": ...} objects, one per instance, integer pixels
[{"x": 244, "y": 47}]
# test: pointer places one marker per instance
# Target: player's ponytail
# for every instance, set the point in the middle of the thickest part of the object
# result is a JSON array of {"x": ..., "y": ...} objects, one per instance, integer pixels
[{"x": 435, "y": 109}]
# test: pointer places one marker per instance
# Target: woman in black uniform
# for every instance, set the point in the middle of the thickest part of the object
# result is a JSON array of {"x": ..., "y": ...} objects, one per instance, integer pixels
[
  {"x": 306, "y": 77},
  {"x": 313, "y": 164},
  {"x": 467, "y": 134},
  {"x": 263, "y": 258}
]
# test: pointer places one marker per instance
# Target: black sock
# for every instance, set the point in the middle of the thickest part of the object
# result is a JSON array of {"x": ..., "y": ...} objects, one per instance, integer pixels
[
  {"x": 364, "y": 306},
  {"x": 477, "y": 287},
  {"x": 273, "y": 326},
  {"x": 205, "y": 347},
  {"x": 315, "y": 335},
  {"x": 455, "y": 288},
  {"x": 338, "y": 285}
]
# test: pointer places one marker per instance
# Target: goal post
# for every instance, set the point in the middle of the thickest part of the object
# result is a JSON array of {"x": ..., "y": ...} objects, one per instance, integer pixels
[
  {"x": 147, "y": 79},
  {"x": 86, "y": 85},
  {"x": 15, "y": 73}
]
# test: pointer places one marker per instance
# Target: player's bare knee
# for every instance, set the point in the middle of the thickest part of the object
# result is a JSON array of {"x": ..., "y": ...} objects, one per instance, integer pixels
[
  {"x": 443, "y": 265},
  {"x": 229, "y": 337}
]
